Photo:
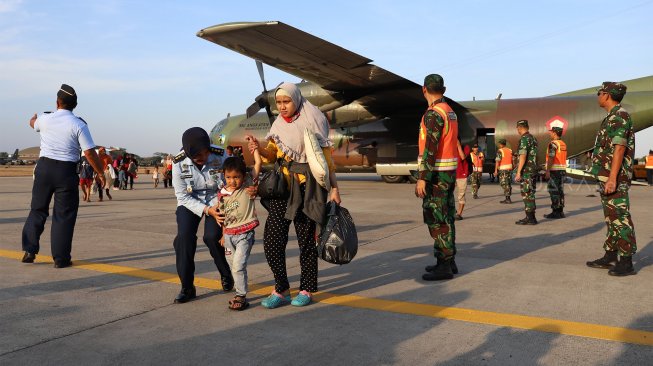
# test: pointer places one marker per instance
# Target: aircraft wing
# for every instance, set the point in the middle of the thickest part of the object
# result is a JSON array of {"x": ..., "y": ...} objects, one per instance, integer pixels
[{"x": 314, "y": 59}]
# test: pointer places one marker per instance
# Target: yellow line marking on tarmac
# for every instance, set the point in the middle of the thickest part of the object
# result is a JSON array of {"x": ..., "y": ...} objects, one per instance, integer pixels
[{"x": 547, "y": 325}]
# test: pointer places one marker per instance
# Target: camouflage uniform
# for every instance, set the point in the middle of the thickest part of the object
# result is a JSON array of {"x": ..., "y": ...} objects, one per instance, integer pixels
[
  {"x": 556, "y": 183},
  {"x": 528, "y": 147},
  {"x": 505, "y": 177},
  {"x": 476, "y": 177},
  {"x": 438, "y": 205},
  {"x": 616, "y": 129}
]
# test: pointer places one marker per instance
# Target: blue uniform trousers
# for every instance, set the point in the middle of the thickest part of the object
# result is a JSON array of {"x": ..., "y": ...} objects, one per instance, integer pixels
[
  {"x": 58, "y": 178},
  {"x": 186, "y": 244}
]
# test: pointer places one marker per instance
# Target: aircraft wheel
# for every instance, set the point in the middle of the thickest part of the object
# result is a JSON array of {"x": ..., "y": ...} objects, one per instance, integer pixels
[{"x": 393, "y": 178}]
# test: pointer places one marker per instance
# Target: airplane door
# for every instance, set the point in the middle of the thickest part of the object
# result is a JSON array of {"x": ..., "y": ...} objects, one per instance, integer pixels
[
  {"x": 486, "y": 142},
  {"x": 487, "y": 145}
]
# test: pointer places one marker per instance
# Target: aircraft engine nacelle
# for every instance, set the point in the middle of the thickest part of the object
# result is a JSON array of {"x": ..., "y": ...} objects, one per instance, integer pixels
[{"x": 324, "y": 99}]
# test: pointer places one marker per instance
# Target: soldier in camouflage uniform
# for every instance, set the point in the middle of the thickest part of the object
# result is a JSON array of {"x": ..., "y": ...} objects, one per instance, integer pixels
[
  {"x": 526, "y": 172},
  {"x": 477, "y": 170},
  {"x": 612, "y": 164},
  {"x": 504, "y": 173},
  {"x": 437, "y": 178},
  {"x": 555, "y": 175}
]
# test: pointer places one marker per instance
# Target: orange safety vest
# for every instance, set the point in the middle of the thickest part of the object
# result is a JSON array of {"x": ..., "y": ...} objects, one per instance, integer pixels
[
  {"x": 477, "y": 161},
  {"x": 649, "y": 162},
  {"x": 446, "y": 158},
  {"x": 560, "y": 159},
  {"x": 506, "y": 159}
]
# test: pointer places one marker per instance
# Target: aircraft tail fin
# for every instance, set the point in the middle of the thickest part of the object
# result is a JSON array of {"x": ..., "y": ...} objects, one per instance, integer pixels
[{"x": 15, "y": 156}]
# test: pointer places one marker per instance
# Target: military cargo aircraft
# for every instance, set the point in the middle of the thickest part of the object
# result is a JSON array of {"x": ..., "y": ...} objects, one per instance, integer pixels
[
  {"x": 375, "y": 114},
  {"x": 14, "y": 160}
]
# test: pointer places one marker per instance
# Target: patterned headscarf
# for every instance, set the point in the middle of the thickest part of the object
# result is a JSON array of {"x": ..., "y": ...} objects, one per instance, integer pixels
[{"x": 289, "y": 136}]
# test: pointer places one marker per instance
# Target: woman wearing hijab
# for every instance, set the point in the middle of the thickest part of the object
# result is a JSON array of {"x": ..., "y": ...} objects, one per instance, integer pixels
[
  {"x": 197, "y": 179},
  {"x": 306, "y": 205}
]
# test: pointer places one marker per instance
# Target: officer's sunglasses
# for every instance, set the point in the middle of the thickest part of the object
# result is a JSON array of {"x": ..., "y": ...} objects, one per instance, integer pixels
[{"x": 598, "y": 94}]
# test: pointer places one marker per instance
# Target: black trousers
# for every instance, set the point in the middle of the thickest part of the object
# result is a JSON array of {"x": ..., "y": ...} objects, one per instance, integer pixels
[
  {"x": 649, "y": 176},
  {"x": 275, "y": 240},
  {"x": 186, "y": 244},
  {"x": 58, "y": 178}
]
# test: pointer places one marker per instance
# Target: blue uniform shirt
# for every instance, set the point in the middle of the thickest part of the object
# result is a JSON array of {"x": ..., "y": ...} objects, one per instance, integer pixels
[
  {"x": 63, "y": 135},
  {"x": 195, "y": 189}
]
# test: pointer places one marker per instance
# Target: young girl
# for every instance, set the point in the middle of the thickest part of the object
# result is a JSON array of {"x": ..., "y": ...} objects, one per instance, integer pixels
[
  {"x": 155, "y": 176},
  {"x": 238, "y": 208}
]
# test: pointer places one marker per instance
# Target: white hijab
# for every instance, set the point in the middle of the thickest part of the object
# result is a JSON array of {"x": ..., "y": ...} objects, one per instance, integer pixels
[{"x": 289, "y": 136}]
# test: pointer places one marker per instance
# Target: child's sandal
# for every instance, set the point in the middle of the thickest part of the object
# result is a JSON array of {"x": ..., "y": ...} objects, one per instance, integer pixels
[{"x": 238, "y": 303}]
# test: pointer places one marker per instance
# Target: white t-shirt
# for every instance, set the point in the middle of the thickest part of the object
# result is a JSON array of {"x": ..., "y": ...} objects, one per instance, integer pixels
[{"x": 63, "y": 135}]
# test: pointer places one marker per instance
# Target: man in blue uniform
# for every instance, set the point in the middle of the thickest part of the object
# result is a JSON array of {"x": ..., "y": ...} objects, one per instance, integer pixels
[
  {"x": 197, "y": 178},
  {"x": 63, "y": 136}
]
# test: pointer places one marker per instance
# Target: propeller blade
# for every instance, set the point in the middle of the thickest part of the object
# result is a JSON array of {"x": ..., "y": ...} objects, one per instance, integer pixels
[
  {"x": 271, "y": 116},
  {"x": 252, "y": 109},
  {"x": 259, "y": 66}
]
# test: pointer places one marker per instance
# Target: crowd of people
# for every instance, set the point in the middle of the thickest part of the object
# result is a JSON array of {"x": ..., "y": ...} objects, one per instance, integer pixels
[{"x": 214, "y": 185}]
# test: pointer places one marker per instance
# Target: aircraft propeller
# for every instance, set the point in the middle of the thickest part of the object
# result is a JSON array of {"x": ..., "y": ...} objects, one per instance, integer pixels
[{"x": 261, "y": 101}]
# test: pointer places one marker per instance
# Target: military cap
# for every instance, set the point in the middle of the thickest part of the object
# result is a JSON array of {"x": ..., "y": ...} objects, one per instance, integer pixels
[
  {"x": 613, "y": 88},
  {"x": 67, "y": 94},
  {"x": 502, "y": 141},
  {"x": 557, "y": 130},
  {"x": 434, "y": 82},
  {"x": 522, "y": 123}
]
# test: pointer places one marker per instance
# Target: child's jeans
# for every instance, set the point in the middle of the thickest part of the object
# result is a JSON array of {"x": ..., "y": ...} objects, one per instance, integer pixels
[{"x": 240, "y": 246}]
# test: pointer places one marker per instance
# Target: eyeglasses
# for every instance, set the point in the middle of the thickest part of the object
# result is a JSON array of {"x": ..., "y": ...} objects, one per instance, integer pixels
[{"x": 598, "y": 94}]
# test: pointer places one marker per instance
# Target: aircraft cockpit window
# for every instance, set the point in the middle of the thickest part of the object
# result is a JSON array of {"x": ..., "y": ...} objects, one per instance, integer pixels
[{"x": 219, "y": 126}]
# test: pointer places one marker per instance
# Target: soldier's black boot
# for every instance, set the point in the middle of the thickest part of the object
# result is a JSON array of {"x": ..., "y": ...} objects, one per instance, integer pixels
[
  {"x": 561, "y": 213},
  {"x": 185, "y": 295},
  {"x": 442, "y": 271},
  {"x": 454, "y": 267},
  {"x": 531, "y": 218},
  {"x": 528, "y": 220},
  {"x": 605, "y": 262},
  {"x": 555, "y": 214},
  {"x": 507, "y": 200},
  {"x": 624, "y": 267}
]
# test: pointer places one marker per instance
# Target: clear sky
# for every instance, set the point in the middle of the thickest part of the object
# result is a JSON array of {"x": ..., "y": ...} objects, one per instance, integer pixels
[{"x": 143, "y": 77}]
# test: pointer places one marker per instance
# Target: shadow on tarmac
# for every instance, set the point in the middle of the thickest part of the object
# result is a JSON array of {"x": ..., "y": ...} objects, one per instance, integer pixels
[
  {"x": 633, "y": 354},
  {"x": 509, "y": 346}
]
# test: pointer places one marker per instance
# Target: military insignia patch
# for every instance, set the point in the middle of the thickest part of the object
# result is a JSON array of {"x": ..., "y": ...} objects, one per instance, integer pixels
[{"x": 179, "y": 157}]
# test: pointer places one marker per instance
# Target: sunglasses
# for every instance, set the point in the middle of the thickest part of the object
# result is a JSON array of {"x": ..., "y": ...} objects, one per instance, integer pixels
[{"x": 598, "y": 94}]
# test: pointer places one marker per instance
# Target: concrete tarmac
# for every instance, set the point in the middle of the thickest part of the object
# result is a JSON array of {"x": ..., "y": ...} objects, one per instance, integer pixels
[{"x": 523, "y": 295}]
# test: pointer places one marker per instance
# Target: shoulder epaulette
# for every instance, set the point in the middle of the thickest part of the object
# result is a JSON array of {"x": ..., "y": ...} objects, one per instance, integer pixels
[
  {"x": 179, "y": 157},
  {"x": 82, "y": 119},
  {"x": 217, "y": 150}
]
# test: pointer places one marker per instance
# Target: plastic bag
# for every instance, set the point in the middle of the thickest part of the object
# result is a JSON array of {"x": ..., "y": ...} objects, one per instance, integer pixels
[{"x": 338, "y": 242}]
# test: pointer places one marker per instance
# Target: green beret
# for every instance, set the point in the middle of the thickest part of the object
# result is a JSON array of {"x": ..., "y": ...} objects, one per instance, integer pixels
[
  {"x": 502, "y": 141},
  {"x": 613, "y": 88},
  {"x": 434, "y": 82},
  {"x": 522, "y": 123}
]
